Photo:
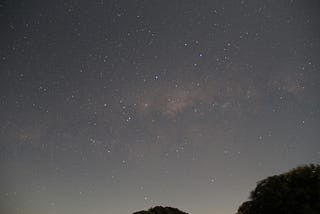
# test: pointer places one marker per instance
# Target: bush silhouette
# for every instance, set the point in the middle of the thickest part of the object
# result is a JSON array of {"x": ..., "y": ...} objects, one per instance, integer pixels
[
  {"x": 294, "y": 192},
  {"x": 161, "y": 210}
]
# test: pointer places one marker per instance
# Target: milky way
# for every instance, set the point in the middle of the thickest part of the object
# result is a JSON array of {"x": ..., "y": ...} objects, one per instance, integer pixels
[{"x": 118, "y": 106}]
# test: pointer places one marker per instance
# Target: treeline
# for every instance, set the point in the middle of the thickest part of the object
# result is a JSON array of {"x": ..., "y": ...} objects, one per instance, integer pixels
[{"x": 293, "y": 192}]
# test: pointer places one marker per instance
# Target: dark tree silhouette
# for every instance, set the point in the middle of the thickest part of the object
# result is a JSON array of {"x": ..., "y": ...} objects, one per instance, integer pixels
[
  {"x": 294, "y": 192},
  {"x": 161, "y": 210}
]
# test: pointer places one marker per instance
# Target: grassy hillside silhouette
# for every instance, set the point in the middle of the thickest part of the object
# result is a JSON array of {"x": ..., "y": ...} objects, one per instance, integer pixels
[{"x": 161, "y": 210}]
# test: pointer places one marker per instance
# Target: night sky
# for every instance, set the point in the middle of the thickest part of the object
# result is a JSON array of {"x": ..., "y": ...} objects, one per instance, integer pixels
[{"x": 110, "y": 107}]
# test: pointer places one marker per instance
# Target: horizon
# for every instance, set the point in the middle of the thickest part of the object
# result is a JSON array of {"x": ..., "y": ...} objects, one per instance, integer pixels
[{"x": 120, "y": 106}]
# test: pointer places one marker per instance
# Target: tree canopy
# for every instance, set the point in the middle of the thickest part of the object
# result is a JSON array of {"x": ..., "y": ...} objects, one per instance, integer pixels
[
  {"x": 294, "y": 192},
  {"x": 161, "y": 210}
]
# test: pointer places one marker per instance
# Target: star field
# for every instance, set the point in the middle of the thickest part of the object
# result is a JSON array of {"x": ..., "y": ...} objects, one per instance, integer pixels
[{"x": 118, "y": 106}]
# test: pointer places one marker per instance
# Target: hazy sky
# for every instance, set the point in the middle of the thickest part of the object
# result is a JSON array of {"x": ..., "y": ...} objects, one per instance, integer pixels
[{"x": 109, "y": 107}]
